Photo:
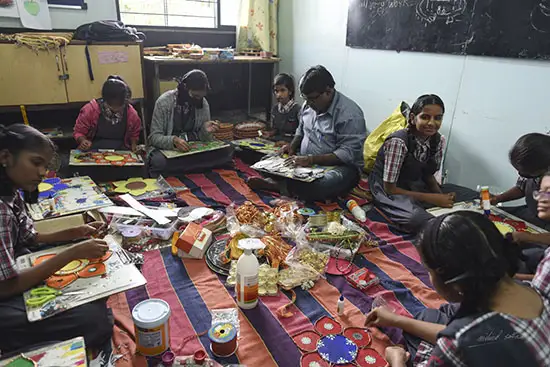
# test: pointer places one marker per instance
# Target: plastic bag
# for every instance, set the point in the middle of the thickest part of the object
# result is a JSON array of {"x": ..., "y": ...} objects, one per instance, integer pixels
[
  {"x": 296, "y": 274},
  {"x": 287, "y": 219},
  {"x": 396, "y": 121},
  {"x": 248, "y": 219},
  {"x": 341, "y": 240}
]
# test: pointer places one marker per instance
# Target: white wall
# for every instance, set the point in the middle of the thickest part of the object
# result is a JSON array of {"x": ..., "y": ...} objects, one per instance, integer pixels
[
  {"x": 490, "y": 101},
  {"x": 72, "y": 18}
]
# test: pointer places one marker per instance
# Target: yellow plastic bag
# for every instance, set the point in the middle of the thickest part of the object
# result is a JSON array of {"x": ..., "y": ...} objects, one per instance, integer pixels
[{"x": 396, "y": 121}]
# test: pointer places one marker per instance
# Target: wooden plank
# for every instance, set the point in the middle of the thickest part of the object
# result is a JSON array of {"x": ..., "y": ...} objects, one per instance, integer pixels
[
  {"x": 236, "y": 60},
  {"x": 29, "y": 77},
  {"x": 79, "y": 86}
]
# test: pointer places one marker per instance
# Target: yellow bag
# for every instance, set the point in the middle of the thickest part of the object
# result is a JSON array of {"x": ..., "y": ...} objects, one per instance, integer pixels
[{"x": 396, "y": 121}]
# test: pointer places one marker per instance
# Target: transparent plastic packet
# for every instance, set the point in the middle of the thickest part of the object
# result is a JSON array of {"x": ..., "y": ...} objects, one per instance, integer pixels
[
  {"x": 248, "y": 219},
  {"x": 310, "y": 256},
  {"x": 287, "y": 220},
  {"x": 296, "y": 274}
]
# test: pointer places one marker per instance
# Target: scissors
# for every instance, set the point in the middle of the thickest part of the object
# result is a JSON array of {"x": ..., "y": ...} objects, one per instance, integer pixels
[{"x": 42, "y": 295}]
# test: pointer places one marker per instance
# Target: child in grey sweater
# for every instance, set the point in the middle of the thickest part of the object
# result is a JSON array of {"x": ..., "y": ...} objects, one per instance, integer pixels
[{"x": 285, "y": 114}]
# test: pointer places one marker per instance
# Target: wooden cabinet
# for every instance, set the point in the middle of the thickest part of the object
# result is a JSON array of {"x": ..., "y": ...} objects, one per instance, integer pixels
[
  {"x": 123, "y": 60},
  {"x": 27, "y": 77},
  {"x": 56, "y": 77}
]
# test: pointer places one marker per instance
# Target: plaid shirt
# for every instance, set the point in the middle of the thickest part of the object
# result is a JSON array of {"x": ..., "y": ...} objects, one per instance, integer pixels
[
  {"x": 16, "y": 232},
  {"x": 395, "y": 152},
  {"x": 534, "y": 333}
]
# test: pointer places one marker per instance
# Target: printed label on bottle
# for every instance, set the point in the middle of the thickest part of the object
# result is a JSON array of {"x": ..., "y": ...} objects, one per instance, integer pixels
[
  {"x": 247, "y": 288},
  {"x": 486, "y": 204}
]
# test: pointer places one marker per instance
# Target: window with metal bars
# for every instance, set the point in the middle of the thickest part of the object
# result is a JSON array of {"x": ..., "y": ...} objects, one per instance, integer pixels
[{"x": 179, "y": 13}]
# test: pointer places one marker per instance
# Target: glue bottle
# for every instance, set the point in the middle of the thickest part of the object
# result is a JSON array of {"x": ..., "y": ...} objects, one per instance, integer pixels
[
  {"x": 356, "y": 210},
  {"x": 246, "y": 288},
  {"x": 485, "y": 200},
  {"x": 340, "y": 306}
]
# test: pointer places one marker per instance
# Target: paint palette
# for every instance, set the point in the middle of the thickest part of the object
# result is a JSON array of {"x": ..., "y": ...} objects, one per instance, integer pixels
[
  {"x": 83, "y": 281},
  {"x": 196, "y": 148},
  {"x": 104, "y": 158},
  {"x": 59, "y": 197}
]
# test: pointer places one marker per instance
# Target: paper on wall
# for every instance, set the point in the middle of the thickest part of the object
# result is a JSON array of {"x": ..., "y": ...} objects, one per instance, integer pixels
[
  {"x": 8, "y": 8},
  {"x": 34, "y": 14},
  {"x": 112, "y": 57}
]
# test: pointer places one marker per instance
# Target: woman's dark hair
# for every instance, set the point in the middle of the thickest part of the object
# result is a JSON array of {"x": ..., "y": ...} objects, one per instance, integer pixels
[
  {"x": 465, "y": 248},
  {"x": 194, "y": 80},
  {"x": 115, "y": 91},
  {"x": 423, "y": 101},
  {"x": 15, "y": 139},
  {"x": 286, "y": 80},
  {"x": 531, "y": 153},
  {"x": 316, "y": 79}
]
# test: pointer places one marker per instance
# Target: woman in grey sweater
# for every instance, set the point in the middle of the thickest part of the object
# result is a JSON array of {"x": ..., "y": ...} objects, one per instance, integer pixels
[{"x": 182, "y": 115}]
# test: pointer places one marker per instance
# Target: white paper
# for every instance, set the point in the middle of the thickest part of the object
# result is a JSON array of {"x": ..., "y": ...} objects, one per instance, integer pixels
[
  {"x": 112, "y": 57},
  {"x": 34, "y": 14},
  {"x": 154, "y": 215},
  {"x": 9, "y": 11}
]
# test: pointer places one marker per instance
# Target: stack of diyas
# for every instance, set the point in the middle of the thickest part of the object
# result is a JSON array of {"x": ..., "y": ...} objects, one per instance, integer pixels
[
  {"x": 225, "y": 132},
  {"x": 246, "y": 130}
]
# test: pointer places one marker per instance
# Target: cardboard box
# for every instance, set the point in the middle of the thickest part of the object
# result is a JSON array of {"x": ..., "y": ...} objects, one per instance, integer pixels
[{"x": 193, "y": 241}]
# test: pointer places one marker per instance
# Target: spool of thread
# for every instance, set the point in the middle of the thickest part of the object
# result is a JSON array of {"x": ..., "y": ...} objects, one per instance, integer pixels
[
  {"x": 152, "y": 327},
  {"x": 307, "y": 212},
  {"x": 130, "y": 236},
  {"x": 223, "y": 339}
]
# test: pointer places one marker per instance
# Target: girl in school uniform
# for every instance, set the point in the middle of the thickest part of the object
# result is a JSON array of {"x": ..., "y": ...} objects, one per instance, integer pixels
[
  {"x": 402, "y": 181},
  {"x": 109, "y": 122},
  {"x": 24, "y": 155},
  {"x": 491, "y": 320},
  {"x": 285, "y": 114}
]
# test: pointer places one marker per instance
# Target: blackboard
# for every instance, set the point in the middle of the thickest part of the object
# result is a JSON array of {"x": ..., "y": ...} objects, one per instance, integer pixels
[{"x": 504, "y": 28}]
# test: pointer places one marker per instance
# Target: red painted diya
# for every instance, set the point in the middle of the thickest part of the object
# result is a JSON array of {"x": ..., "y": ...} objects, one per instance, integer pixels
[
  {"x": 327, "y": 326},
  {"x": 313, "y": 360},
  {"x": 368, "y": 357},
  {"x": 359, "y": 336},
  {"x": 83, "y": 268},
  {"x": 306, "y": 341}
]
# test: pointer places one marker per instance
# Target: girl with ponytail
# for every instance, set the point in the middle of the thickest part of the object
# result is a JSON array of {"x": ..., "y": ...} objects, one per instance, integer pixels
[
  {"x": 492, "y": 320},
  {"x": 24, "y": 157}
]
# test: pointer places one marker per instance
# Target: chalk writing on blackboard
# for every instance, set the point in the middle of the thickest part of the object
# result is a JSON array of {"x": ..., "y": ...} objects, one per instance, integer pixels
[
  {"x": 432, "y": 10},
  {"x": 540, "y": 17}
]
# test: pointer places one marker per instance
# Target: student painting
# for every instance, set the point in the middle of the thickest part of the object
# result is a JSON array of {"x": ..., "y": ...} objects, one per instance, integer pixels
[
  {"x": 180, "y": 116},
  {"x": 24, "y": 156},
  {"x": 402, "y": 181},
  {"x": 331, "y": 132},
  {"x": 492, "y": 320},
  {"x": 109, "y": 122},
  {"x": 285, "y": 114},
  {"x": 530, "y": 156}
]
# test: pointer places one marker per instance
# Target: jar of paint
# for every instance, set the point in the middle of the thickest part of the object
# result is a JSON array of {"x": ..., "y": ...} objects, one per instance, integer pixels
[{"x": 151, "y": 325}]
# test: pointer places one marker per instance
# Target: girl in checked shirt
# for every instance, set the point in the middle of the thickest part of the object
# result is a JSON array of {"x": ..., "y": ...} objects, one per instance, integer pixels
[
  {"x": 491, "y": 320},
  {"x": 24, "y": 156},
  {"x": 402, "y": 181}
]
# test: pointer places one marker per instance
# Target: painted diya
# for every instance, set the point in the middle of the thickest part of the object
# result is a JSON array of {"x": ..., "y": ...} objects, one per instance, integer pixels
[
  {"x": 83, "y": 268},
  {"x": 136, "y": 186},
  {"x": 327, "y": 326}
]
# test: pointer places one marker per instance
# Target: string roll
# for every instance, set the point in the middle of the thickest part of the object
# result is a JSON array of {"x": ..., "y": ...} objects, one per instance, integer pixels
[{"x": 223, "y": 339}]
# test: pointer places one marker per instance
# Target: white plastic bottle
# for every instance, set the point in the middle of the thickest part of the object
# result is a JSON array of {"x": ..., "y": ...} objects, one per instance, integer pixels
[
  {"x": 340, "y": 306},
  {"x": 246, "y": 288},
  {"x": 356, "y": 210}
]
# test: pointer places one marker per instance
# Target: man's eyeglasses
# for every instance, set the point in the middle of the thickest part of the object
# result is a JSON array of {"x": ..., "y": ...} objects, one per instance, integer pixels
[
  {"x": 541, "y": 195},
  {"x": 311, "y": 99}
]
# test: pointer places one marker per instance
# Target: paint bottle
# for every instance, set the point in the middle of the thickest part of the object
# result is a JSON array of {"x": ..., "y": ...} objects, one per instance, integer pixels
[
  {"x": 356, "y": 210},
  {"x": 485, "y": 200},
  {"x": 246, "y": 288},
  {"x": 340, "y": 306}
]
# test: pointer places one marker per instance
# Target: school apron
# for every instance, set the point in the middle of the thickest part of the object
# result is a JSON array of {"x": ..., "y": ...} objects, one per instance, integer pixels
[{"x": 109, "y": 135}]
